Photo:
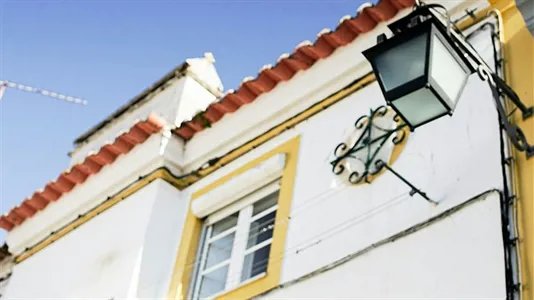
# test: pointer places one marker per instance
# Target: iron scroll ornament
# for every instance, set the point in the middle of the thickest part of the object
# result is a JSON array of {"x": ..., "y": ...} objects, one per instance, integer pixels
[{"x": 368, "y": 143}]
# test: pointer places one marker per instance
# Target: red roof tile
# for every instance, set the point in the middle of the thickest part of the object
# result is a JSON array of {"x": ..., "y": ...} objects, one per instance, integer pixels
[
  {"x": 78, "y": 174},
  {"x": 301, "y": 59}
]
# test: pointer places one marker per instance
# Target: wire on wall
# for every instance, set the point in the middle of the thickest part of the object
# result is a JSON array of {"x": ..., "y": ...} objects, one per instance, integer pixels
[{"x": 508, "y": 197}]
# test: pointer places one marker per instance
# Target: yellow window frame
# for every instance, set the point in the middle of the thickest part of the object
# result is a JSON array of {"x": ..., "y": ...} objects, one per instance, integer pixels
[{"x": 187, "y": 252}]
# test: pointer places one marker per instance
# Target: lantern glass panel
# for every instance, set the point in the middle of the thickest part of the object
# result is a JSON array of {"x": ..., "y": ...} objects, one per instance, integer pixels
[
  {"x": 447, "y": 75},
  {"x": 419, "y": 107},
  {"x": 402, "y": 63}
]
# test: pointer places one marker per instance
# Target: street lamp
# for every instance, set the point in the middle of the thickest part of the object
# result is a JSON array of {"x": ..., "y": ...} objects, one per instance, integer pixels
[{"x": 423, "y": 68}]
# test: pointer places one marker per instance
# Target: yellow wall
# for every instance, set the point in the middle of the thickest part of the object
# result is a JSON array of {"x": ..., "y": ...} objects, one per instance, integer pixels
[
  {"x": 191, "y": 233},
  {"x": 519, "y": 66}
]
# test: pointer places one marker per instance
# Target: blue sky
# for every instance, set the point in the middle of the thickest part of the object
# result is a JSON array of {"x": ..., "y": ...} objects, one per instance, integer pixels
[{"x": 108, "y": 51}]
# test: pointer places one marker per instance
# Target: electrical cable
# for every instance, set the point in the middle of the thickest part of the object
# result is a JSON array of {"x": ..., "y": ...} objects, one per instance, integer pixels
[
  {"x": 508, "y": 217},
  {"x": 512, "y": 217},
  {"x": 509, "y": 275},
  {"x": 511, "y": 166}
]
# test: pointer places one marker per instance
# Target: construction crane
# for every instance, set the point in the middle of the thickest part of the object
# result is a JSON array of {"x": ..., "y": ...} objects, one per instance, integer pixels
[{"x": 9, "y": 84}]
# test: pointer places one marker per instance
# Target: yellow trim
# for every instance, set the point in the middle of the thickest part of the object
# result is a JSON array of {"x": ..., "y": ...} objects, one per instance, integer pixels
[
  {"x": 519, "y": 67},
  {"x": 191, "y": 232},
  {"x": 181, "y": 183}
]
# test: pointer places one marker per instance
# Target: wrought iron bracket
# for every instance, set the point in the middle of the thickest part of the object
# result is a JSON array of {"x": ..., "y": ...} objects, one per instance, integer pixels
[
  {"x": 366, "y": 148},
  {"x": 367, "y": 144},
  {"x": 414, "y": 190},
  {"x": 498, "y": 86},
  {"x": 514, "y": 132},
  {"x": 511, "y": 94}
]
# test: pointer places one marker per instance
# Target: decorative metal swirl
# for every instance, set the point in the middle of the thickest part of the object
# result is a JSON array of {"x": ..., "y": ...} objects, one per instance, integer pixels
[
  {"x": 369, "y": 144},
  {"x": 514, "y": 132}
]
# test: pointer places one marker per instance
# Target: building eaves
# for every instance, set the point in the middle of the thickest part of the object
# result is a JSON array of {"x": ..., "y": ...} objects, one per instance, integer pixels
[
  {"x": 305, "y": 55},
  {"x": 78, "y": 174}
]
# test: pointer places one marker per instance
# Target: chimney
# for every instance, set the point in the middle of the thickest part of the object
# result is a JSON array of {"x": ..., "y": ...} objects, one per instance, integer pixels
[
  {"x": 202, "y": 87},
  {"x": 176, "y": 97}
]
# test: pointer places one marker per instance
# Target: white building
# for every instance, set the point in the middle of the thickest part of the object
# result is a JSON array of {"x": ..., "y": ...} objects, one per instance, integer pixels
[{"x": 186, "y": 193}]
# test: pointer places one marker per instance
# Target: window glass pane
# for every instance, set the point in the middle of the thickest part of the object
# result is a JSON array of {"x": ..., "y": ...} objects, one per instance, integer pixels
[
  {"x": 265, "y": 203},
  {"x": 261, "y": 229},
  {"x": 447, "y": 72},
  {"x": 420, "y": 106},
  {"x": 213, "y": 282},
  {"x": 256, "y": 263},
  {"x": 224, "y": 224},
  {"x": 219, "y": 250},
  {"x": 410, "y": 57}
]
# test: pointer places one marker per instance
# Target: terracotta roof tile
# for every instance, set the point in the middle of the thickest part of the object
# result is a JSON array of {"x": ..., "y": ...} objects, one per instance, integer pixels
[
  {"x": 78, "y": 174},
  {"x": 304, "y": 56}
]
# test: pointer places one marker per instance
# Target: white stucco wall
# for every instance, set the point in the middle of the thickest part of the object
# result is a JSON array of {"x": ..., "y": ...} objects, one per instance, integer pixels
[
  {"x": 161, "y": 241},
  {"x": 129, "y": 250},
  {"x": 457, "y": 257},
  {"x": 97, "y": 188},
  {"x": 442, "y": 159},
  {"x": 452, "y": 159},
  {"x": 97, "y": 260}
]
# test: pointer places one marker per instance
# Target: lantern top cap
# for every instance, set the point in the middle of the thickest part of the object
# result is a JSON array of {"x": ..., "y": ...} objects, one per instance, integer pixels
[
  {"x": 417, "y": 22},
  {"x": 417, "y": 16}
]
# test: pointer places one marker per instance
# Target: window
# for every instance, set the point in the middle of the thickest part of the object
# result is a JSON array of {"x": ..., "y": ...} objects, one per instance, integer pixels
[
  {"x": 215, "y": 202},
  {"x": 236, "y": 243}
]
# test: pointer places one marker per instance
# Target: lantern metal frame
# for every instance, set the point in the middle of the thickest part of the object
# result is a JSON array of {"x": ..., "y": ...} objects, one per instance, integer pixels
[{"x": 419, "y": 21}]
